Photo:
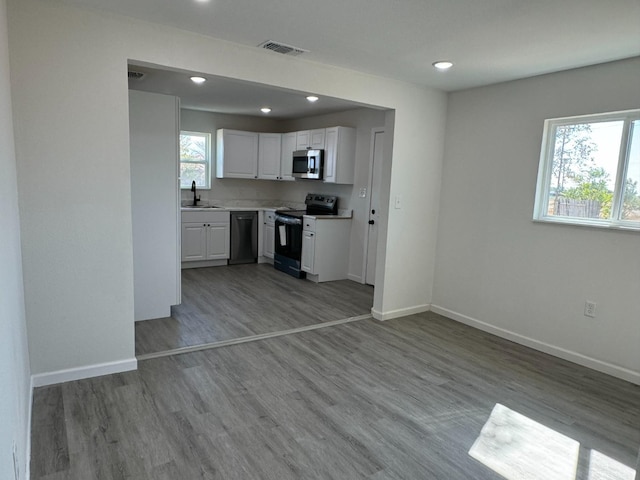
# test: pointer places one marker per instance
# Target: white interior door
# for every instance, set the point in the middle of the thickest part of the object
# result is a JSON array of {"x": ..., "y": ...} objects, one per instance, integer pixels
[{"x": 375, "y": 180}]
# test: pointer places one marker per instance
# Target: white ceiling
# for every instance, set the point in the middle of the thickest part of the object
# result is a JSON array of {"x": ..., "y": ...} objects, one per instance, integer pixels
[
  {"x": 224, "y": 95},
  {"x": 489, "y": 41}
]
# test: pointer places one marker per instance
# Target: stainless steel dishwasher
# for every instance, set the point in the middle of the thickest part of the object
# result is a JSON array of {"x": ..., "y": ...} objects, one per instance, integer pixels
[{"x": 244, "y": 237}]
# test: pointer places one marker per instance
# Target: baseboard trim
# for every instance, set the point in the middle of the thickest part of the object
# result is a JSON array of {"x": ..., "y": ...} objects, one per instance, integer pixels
[
  {"x": 27, "y": 467},
  {"x": 70, "y": 374},
  {"x": 575, "y": 357},
  {"x": 401, "y": 312},
  {"x": 355, "y": 278},
  {"x": 203, "y": 263}
]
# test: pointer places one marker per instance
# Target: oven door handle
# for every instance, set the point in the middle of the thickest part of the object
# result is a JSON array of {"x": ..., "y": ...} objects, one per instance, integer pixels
[{"x": 288, "y": 220}]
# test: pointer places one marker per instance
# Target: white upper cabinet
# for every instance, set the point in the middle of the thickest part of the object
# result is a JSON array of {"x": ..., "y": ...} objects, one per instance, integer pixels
[
  {"x": 286, "y": 155},
  {"x": 310, "y": 139},
  {"x": 316, "y": 139},
  {"x": 302, "y": 140},
  {"x": 269, "y": 155},
  {"x": 237, "y": 154},
  {"x": 339, "y": 155}
]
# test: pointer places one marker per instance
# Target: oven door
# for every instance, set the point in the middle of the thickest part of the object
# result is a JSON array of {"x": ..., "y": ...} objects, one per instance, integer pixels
[{"x": 288, "y": 239}]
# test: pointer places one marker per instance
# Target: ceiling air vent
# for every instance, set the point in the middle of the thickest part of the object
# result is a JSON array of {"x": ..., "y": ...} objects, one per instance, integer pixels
[
  {"x": 136, "y": 75},
  {"x": 282, "y": 48}
]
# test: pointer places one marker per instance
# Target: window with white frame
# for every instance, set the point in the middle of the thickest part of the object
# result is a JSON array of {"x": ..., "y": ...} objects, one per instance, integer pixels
[
  {"x": 195, "y": 159},
  {"x": 589, "y": 171}
]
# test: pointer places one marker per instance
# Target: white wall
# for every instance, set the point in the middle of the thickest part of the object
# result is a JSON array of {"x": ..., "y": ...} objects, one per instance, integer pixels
[
  {"x": 72, "y": 145},
  {"x": 411, "y": 231},
  {"x": 153, "y": 127},
  {"x": 525, "y": 280},
  {"x": 69, "y": 82},
  {"x": 14, "y": 362}
]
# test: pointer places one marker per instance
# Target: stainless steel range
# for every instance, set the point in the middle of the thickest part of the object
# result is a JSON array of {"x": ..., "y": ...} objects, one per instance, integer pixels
[{"x": 288, "y": 240}]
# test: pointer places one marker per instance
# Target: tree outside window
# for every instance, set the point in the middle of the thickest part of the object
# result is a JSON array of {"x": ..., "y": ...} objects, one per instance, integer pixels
[{"x": 590, "y": 170}]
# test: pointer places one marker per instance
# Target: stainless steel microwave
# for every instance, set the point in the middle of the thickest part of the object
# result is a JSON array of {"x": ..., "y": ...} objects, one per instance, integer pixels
[{"x": 308, "y": 164}]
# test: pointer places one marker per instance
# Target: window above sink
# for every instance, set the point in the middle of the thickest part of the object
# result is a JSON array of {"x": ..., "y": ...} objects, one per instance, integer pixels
[{"x": 195, "y": 159}]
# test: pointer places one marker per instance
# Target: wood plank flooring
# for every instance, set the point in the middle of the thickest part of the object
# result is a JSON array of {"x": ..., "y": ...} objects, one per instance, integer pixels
[
  {"x": 402, "y": 399},
  {"x": 223, "y": 303}
]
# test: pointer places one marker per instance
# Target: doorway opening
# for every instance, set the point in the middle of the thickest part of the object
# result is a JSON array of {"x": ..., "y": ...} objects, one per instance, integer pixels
[{"x": 227, "y": 303}]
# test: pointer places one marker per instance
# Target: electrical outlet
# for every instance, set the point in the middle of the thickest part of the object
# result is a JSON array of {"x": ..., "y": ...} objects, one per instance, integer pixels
[{"x": 590, "y": 309}]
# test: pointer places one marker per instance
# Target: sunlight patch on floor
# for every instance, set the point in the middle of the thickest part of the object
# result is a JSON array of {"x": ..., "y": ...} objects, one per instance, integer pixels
[
  {"x": 519, "y": 448},
  {"x": 602, "y": 467}
]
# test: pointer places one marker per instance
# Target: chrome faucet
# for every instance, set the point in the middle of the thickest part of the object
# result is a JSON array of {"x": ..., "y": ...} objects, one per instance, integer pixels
[{"x": 193, "y": 189}]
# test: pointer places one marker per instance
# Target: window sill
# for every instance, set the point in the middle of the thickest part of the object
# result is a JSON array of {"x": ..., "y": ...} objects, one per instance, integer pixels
[{"x": 602, "y": 225}]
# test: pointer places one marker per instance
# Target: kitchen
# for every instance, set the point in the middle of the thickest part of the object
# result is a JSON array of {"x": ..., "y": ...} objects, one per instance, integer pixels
[{"x": 262, "y": 196}]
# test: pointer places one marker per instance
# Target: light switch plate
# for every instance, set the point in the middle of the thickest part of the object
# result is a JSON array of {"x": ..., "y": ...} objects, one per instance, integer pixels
[{"x": 398, "y": 202}]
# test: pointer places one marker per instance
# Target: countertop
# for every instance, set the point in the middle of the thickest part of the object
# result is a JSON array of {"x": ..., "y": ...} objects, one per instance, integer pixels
[
  {"x": 342, "y": 214},
  {"x": 231, "y": 209}
]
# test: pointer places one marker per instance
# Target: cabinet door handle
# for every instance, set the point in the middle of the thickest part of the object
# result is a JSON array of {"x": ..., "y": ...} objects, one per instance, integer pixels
[{"x": 371, "y": 222}]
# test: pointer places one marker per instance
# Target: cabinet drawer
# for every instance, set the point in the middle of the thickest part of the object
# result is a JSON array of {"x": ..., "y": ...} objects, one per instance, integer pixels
[
  {"x": 218, "y": 216},
  {"x": 308, "y": 224}
]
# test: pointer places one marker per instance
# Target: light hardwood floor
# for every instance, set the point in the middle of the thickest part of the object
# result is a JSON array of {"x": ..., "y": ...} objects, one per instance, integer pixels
[
  {"x": 224, "y": 303},
  {"x": 403, "y": 399}
]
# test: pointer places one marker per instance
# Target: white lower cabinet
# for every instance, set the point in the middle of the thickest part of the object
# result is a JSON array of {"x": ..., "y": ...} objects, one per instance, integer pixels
[
  {"x": 217, "y": 241},
  {"x": 268, "y": 233},
  {"x": 194, "y": 241},
  {"x": 307, "y": 260},
  {"x": 325, "y": 247},
  {"x": 205, "y": 238}
]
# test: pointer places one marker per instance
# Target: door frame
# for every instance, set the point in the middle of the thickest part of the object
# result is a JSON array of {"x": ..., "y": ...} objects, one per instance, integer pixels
[{"x": 365, "y": 255}]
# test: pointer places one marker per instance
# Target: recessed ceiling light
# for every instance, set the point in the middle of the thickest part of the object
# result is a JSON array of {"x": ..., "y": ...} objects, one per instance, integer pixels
[
  {"x": 312, "y": 98},
  {"x": 265, "y": 109},
  {"x": 198, "y": 80},
  {"x": 443, "y": 64}
]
